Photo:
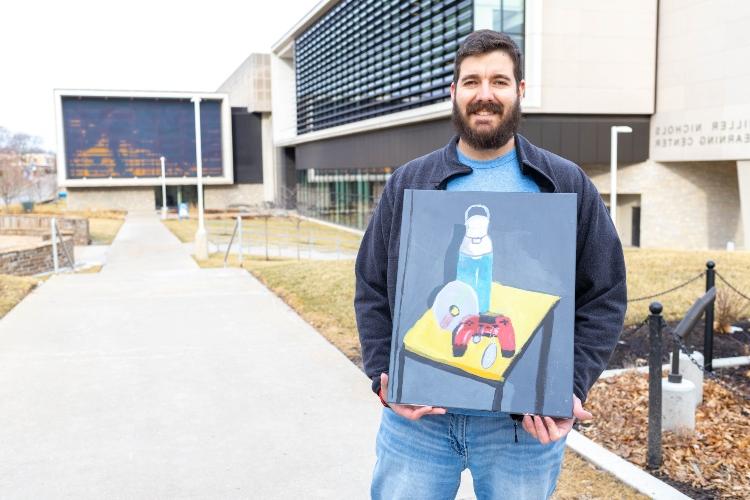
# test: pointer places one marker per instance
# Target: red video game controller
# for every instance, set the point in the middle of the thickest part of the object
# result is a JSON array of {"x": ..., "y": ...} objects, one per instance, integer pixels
[{"x": 474, "y": 327}]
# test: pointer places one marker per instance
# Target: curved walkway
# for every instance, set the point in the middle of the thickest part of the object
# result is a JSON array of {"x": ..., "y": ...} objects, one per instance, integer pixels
[{"x": 157, "y": 379}]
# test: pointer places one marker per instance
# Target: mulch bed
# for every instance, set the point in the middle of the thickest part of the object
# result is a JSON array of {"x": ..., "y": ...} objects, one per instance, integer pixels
[
  {"x": 712, "y": 462},
  {"x": 633, "y": 347},
  {"x": 737, "y": 376}
]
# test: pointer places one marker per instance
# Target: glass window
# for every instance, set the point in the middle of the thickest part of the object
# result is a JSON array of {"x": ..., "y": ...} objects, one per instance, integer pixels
[{"x": 345, "y": 197}]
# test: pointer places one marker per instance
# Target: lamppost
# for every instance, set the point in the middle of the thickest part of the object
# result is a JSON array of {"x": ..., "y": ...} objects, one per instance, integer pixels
[
  {"x": 616, "y": 129},
  {"x": 163, "y": 190},
  {"x": 201, "y": 238}
]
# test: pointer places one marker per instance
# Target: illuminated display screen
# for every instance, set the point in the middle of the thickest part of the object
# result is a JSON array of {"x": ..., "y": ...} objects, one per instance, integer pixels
[{"x": 125, "y": 137}]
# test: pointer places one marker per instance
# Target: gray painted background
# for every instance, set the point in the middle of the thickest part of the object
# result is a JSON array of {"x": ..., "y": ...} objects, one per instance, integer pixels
[{"x": 533, "y": 238}]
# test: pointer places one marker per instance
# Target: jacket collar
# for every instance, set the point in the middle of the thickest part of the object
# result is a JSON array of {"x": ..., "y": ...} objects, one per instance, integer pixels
[{"x": 528, "y": 157}]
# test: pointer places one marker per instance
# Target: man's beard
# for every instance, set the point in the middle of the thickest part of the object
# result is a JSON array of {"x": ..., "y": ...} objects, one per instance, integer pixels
[{"x": 494, "y": 138}]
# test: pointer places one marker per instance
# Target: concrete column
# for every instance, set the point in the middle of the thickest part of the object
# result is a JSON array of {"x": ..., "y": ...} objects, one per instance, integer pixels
[
  {"x": 270, "y": 169},
  {"x": 743, "y": 180}
]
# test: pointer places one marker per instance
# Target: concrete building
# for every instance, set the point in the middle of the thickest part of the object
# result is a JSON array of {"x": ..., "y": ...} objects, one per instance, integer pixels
[
  {"x": 361, "y": 87},
  {"x": 697, "y": 180},
  {"x": 110, "y": 145},
  {"x": 249, "y": 91}
]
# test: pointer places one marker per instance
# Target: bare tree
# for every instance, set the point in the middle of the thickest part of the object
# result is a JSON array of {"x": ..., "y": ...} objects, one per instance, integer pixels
[
  {"x": 13, "y": 182},
  {"x": 5, "y": 136},
  {"x": 16, "y": 150},
  {"x": 25, "y": 145}
]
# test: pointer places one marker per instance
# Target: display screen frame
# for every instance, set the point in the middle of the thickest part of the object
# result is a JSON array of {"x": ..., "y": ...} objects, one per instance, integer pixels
[{"x": 227, "y": 167}]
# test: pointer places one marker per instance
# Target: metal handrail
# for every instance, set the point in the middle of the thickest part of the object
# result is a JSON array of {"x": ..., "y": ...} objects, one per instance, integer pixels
[
  {"x": 685, "y": 326},
  {"x": 237, "y": 225},
  {"x": 694, "y": 313},
  {"x": 58, "y": 235}
]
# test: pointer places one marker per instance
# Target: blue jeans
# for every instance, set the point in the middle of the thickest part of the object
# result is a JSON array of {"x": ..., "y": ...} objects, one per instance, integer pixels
[{"x": 423, "y": 459}]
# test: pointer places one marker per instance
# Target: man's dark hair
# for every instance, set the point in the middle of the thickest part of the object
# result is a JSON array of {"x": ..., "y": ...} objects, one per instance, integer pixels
[{"x": 486, "y": 41}]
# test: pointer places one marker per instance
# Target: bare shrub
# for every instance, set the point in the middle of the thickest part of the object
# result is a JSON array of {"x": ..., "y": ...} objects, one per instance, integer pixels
[
  {"x": 12, "y": 180},
  {"x": 729, "y": 308}
]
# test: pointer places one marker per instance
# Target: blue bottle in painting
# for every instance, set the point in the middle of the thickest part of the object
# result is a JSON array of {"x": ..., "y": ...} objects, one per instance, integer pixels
[{"x": 475, "y": 256}]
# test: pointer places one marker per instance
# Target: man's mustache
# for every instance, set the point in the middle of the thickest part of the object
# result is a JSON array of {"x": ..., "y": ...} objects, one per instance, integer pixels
[{"x": 492, "y": 107}]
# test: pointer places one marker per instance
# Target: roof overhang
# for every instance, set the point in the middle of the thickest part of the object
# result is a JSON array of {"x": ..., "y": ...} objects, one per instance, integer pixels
[{"x": 284, "y": 47}]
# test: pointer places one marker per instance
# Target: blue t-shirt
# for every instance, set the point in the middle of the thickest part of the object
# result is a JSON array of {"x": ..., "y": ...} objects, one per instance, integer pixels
[{"x": 501, "y": 174}]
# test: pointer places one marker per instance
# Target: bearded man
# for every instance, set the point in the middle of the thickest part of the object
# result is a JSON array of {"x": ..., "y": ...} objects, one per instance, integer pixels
[{"x": 422, "y": 450}]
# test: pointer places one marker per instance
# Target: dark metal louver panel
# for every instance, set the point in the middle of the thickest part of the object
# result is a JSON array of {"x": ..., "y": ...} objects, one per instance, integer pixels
[{"x": 367, "y": 58}]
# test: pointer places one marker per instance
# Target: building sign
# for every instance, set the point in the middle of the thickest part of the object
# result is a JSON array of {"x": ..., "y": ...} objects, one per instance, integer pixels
[
  {"x": 704, "y": 135},
  {"x": 119, "y": 139}
]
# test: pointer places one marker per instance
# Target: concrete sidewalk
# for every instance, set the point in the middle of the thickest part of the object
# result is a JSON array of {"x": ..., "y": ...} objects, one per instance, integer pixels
[
  {"x": 157, "y": 379},
  {"x": 279, "y": 251}
]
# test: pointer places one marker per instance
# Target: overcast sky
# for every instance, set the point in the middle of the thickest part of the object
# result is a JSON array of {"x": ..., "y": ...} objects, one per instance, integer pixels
[{"x": 133, "y": 45}]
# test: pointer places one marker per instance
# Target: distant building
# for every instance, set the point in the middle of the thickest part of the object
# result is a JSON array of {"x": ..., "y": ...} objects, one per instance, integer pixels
[
  {"x": 249, "y": 91},
  {"x": 42, "y": 163}
]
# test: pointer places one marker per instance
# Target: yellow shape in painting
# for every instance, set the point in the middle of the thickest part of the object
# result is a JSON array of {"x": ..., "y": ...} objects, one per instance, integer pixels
[{"x": 526, "y": 311}]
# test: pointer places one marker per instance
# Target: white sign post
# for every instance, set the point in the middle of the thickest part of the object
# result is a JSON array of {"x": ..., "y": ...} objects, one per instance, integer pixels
[
  {"x": 201, "y": 238},
  {"x": 163, "y": 190},
  {"x": 613, "y": 171}
]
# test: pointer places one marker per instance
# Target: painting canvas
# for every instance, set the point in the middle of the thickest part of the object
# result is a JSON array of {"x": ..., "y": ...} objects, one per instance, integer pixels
[{"x": 484, "y": 308}]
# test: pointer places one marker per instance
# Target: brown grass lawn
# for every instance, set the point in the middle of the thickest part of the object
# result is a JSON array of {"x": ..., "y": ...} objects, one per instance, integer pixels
[
  {"x": 103, "y": 224},
  {"x": 104, "y": 230},
  {"x": 61, "y": 208},
  {"x": 13, "y": 289},
  {"x": 651, "y": 271},
  {"x": 281, "y": 231},
  {"x": 581, "y": 480}
]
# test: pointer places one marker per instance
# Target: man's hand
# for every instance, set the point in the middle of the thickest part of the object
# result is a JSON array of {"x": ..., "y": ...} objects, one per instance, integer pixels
[
  {"x": 411, "y": 412},
  {"x": 548, "y": 429}
]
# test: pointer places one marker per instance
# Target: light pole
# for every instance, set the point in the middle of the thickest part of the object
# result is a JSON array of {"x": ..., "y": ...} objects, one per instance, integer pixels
[
  {"x": 616, "y": 129},
  {"x": 163, "y": 190},
  {"x": 201, "y": 238}
]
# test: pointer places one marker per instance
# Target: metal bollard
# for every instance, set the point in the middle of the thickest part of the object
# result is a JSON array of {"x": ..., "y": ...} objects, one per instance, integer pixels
[
  {"x": 708, "y": 336},
  {"x": 53, "y": 227},
  {"x": 655, "y": 323},
  {"x": 239, "y": 238}
]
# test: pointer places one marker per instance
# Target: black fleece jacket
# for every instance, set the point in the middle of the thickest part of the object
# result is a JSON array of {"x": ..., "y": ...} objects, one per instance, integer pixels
[{"x": 600, "y": 288}]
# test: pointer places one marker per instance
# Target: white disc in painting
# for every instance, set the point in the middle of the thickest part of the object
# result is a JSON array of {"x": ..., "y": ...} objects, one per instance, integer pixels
[
  {"x": 489, "y": 356},
  {"x": 454, "y": 301}
]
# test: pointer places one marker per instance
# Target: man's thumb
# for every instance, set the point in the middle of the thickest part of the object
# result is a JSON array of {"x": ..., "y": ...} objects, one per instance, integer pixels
[
  {"x": 384, "y": 383},
  {"x": 579, "y": 412}
]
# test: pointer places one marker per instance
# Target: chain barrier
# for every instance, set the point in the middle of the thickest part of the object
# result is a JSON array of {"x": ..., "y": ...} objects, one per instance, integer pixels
[
  {"x": 722, "y": 278},
  {"x": 636, "y": 328},
  {"x": 670, "y": 290},
  {"x": 713, "y": 376}
]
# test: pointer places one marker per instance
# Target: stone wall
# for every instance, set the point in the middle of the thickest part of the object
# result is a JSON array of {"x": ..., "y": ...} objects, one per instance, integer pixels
[
  {"x": 39, "y": 225},
  {"x": 112, "y": 198},
  {"x": 232, "y": 196},
  {"x": 215, "y": 197},
  {"x": 687, "y": 205},
  {"x": 35, "y": 259}
]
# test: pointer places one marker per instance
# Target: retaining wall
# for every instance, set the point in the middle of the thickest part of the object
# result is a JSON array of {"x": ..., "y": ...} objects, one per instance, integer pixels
[
  {"x": 39, "y": 225},
  {"x": 35, "y": 259}
]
